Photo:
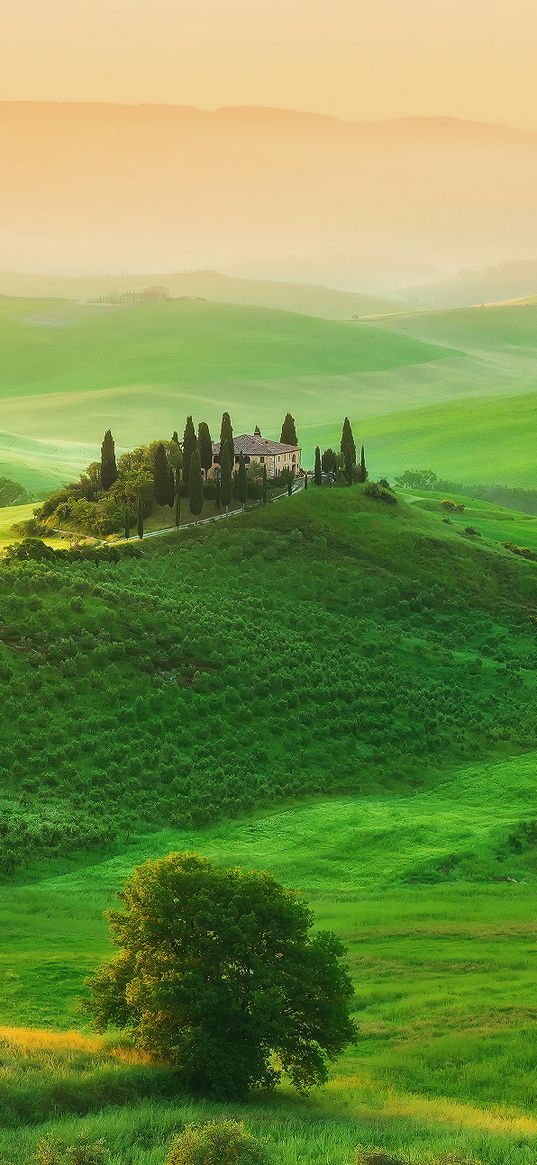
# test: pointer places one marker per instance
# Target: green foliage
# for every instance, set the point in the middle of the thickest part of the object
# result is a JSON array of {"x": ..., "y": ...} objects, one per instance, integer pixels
[
  {"x": 190, "y": 443},
  {"x": 161, "y": 477},
  {"x": 205, "y": 445},
  {"x": 195, "y": 484},
  {"x": 226, "y": 438},
  {"x": 242, "y": 481},
  {"x": 108, "y": 462},
  {"x": 224, "y": 1142},
  {"x": 417, "y": 479},
  {"x": 348, "y": 451},
  {"x": 83, "y": 1152},
  {"x": 12, "y": 493},
  {"x": 380, "y": 493},
  {"x": 288, "y": 434},
  {"x": 217, "y": 974},
  {"x": 318, "y": 473}
]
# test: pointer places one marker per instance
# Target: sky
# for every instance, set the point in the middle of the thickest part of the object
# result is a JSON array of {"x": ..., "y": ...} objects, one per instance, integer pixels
[{"x": 358, "y": 59}]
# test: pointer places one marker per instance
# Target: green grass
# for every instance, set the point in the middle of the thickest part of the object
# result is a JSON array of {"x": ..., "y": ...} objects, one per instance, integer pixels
[
  {"x": 69, "y": 370},
  {"x": 441, "y": 955},
  {"x": 490, "y": 520}
]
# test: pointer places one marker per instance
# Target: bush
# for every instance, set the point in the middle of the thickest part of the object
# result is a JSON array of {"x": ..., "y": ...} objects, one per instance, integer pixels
[
  {"x": 84, "y": 1152},
  {"x": 472, "y": 532},
  {"x": 216, "y": 1143},
  {"x": 380, "y": 493},
  {"x": 377, "y": 1157}
]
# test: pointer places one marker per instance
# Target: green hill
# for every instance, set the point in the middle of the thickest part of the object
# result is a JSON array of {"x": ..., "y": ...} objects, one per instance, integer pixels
[
  {"x": 309, "y": 299},
  {"x": 70, "y": 371},
  {"x": 354, "y": 683}
]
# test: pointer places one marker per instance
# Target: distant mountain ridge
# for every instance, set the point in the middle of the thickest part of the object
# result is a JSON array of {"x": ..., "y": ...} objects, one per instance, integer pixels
[
  {"x": 152, "y": 187},
  {"x": 503, "y": 283}
]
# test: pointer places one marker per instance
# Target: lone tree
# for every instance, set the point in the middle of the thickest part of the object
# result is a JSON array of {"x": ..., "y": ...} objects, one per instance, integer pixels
[
  {"x": 226, "y": 480},
  {"x": 288, "y": 435},
  {"x": 195, "y": 484},
  {"x": 161, "y": 477},
  {"x": 205, "y": 445},
  {"x": 226, "y": 437},
  {"x": 190, "y": 443},
  {"x": 108, "y": 461},
  {"x": 220, "y": 975},
  {"x": 318, "y": 471},
  {"x": 242, "y": 481},
  {"x": 348, "y": 451}
]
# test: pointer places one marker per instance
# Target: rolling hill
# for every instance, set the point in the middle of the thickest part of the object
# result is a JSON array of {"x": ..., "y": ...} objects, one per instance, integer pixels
[
  {"x": 311, "y": 300},
  {"x": 354, "y": 683},
  {"x": 498, "y": 284},
  {"x": 70, "y": 371}
]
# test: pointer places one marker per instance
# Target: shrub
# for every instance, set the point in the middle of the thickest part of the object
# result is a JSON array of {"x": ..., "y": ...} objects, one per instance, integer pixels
[
  {"x": 472, "y": 532},
  {"x": 380, "y": 493},
  {"x": 377, "y": 1157},
  {"x": 84, "y": 1152},
  {"x": 216, "y": 1143}
]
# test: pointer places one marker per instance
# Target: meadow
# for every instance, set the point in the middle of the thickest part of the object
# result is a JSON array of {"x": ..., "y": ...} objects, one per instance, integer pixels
[
  {"x": 452, "y": 391},
  {"x": 438, "y": 912}
]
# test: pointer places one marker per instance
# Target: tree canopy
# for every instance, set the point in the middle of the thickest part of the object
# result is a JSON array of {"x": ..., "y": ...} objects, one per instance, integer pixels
[
  {"x": 190, "y": 442},
  {"x": 219, "y": 975},
  {"x": 205, "y": 444},
  {"x": 108, "y": 461},
  {"x": 288, "y": 434}
]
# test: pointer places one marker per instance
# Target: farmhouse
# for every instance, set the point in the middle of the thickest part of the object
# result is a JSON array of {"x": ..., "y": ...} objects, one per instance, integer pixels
[{"x": 256, "y": 449}]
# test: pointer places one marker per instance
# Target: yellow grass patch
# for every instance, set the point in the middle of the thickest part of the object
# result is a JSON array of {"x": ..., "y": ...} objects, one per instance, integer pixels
[{"x": 32, "y": 1039}]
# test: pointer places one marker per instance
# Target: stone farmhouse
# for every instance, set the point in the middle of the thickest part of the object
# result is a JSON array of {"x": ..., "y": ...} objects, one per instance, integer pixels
[{"x": 256, "y": 449}]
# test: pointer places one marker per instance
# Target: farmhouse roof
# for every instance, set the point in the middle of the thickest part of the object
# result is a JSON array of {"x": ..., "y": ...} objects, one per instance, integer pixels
[{"x": 252, "y": 445}]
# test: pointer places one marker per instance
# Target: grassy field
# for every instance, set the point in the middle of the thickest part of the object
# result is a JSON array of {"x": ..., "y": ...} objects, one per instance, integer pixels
[
  {"x": 491, "y": 521},
  {"x": 332, "y": 688},
  {"x": 70, "y": 369},
  {"x": 453, "y": 391},
  {"x": 439, "y": 917}
]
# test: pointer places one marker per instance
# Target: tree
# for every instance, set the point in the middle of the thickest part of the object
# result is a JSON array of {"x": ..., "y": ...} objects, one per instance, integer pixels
[
  {"x": 205, "y": 445},
  {"x": 242, "y": 481},
  {"x": 218, "y": 493},
  {"x": 329, "y": 461},
  {"x": 264, "y": 487},
  {"x": 108, "y": 461},
  {"x": 177, "y": 497},
  {"x": 127, "y": 522},
  {"x": 362, "y": 468},
  {"x": 195, "y": 484},
  {"x": 220, "y": 975},
  {"x": 140, "y": 527},
  {"x": 161, "y": 476},
  {"x": 418, "y": 479},
  {"x": 288, "y": 435},
  {"x": 190, "y": 443},
  {"x": 290, "y": 487},
  {"x": 348, "y": 451},
  {"x": 171, "y": 487},
  {"x": 318, "y": 472},
  {"x": 175, "y": 457},
  {"x": 226, "y": 466},
  {"x": 11, "y": 492},
  {"x": 306, "y": 480},
  {"x": 226, "y": 436}
]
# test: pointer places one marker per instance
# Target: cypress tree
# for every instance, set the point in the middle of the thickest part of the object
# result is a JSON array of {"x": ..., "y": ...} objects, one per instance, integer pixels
[
  {"x": 288, "y": 435},
  {"x": 226, "y": 435},
  {"x": 362, "y": 469},
  {"x": 127, "y": 519},
  {"x": 329, "y": 461},
  {"x": 108, "y": 461},
  {"x": 264, "y": 485},
  {"x": 195, "y": 484},
  {"x": 289, "y": 487},
  {"x": 190, "y": 443},
  {"x": 218, "y": 498},
  {"x": 177, "y": 497},
  {"x": 306, "y": 480},
  {"x": 171, "y": 488},
  {"x": 226, "y": 479},
  {"x": 318, "y": 472},
  {"x": 242, "y": 481},
  {"x": 161, "y": 477},
  {"x": 205, "y": 445},
  {"x": 348, "y": 450},
  {"x": 140, "y": 516},
  {"x": 175, "y": 457}
]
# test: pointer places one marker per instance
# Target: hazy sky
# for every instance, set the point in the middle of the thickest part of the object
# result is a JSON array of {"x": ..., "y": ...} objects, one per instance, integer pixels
[{"x": 354, "y": 58}]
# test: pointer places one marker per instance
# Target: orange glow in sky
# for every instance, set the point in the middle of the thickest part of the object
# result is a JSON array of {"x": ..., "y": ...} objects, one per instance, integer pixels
[{"x": 361, "y": 59}]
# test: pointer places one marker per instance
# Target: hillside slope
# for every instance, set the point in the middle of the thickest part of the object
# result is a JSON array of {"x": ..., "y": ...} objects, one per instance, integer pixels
[{"x": 327, "y": 644}]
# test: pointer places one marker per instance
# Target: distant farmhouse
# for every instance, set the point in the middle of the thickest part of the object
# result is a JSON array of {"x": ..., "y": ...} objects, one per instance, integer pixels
[{"x": 256, "y": 449}]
